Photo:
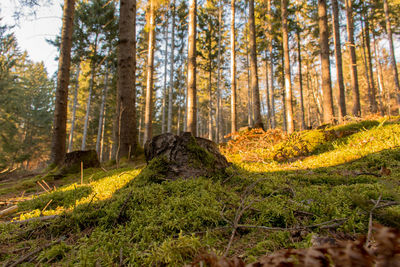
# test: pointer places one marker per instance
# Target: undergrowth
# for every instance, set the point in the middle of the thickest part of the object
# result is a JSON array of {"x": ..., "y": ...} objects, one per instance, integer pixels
[{"x": 302, "y": 181}]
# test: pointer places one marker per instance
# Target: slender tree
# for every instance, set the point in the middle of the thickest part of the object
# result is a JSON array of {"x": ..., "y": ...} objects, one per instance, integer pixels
[
  {"x": 100, "y": 129},
  {"x": 288, "y": 81},
  {"x": 72, "y": 129},
  {"x": 164, "y": 101},
  {"x": 303, "y": 119},
  {"x": 59, "y": 134},
  {"x": 391, "y": 50},
  {"x": 327, "y": 99},
  {"x": 191, "y": 87},
  {"x": 219, "y": 134},
  {"x": 233, "y": 70},
  {"x": 338, "y": 60},
  {"x": 172, "y": 71},
  {"x": 353, "y": 59},
  {"x": 126, "y": 134},
  {"x": 253, "y": 66},
  {"x": 148, "y": 116}
]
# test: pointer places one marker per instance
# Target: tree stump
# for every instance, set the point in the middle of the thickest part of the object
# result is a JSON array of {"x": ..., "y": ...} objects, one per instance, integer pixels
[
  {"x": 171, "y": 157},
  {"x": 72, "y": 162}
]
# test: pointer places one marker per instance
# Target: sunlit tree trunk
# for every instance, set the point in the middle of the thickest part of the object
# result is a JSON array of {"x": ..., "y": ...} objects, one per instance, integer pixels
[
  {"x": 253, "y": 66},
  {"x": 172, "y": 71},
  {"x": 71, "y": 132},
  {"x": 210, "y": 96},
  {"x": 353, "y": 59},
  {"x": 164, "y": 101},
  {"x": 218, "y": 120},
  {"x": 148, "y": 115},
  {"x": 101, "y": 115},
  {"x": 191, "y": 89},
  {"x": 378, "y": 67},
  {"x": 59, "y": 132},
  {"x": 233, "y": 70},
  {"x": 303, "y": 119},
  {"x": 391, "y": 50},
  {"x": 338, "y": 60},
  {"x": 126, "y": 137},
  {"x": 327, "y": 99}
]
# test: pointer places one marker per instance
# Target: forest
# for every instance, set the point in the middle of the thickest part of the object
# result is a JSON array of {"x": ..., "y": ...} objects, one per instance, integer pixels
[{"x": 204, "y": 133}]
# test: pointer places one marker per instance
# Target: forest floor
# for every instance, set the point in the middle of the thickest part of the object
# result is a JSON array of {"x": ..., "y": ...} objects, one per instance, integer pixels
[{"x": 280, "y": 192}]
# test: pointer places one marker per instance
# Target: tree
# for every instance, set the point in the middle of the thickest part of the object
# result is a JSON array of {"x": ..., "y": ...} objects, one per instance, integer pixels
[
  {"x": 191, "y": 87},
  {"x": 338, "y": 60},
  {"x": 288, "y": 81},
  {"x": 172, "y": 64},
  {"x": 327, "y": 99},
  {"x": 59, "y": 133},
  {"x": 125, "y": 130},
  {"x": 253, "y": 66},
  {"x": 353, "y": 59},
  {"x": 148, "y": 117},
  {"x": 233, "y": 70},
  {"x": 391, "y": 50},
  {"x": 71, "y": 132}
]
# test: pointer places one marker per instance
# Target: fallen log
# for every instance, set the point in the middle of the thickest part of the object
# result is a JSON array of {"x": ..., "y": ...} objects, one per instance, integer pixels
[{"x": 9, "y": 210}]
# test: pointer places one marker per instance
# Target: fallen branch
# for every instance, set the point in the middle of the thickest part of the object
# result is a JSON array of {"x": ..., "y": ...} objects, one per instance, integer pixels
[
  {"x": 36, "y": 251},
  {"x": 8, "y": 210},
  {"x": 370, "y": 220},
  {"x": 43, "y": 218}
]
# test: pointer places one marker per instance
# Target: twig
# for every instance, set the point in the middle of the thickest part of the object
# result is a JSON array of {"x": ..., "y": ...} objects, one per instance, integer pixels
[
  {"x": 370, "y": 220},
  {"x": 42, "y": 186},
  {"x": 368, "y": 173},
  {"x": 123, "y": 207},
  {"x": 43, "y": 218},
  {"x": 36, "y": 251},
  {"x": 45, "y": 207},
  {"x": 104, "y": 169},
  {"x": 46, "y": 185},
  {"x": 8, "y": 210},
  {"x": 81, "y": 172}
]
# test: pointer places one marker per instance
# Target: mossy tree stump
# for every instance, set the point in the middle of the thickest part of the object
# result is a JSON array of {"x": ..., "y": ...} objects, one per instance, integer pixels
[
  {"x": 72, "y": 162},
  {"x": 171, "y": 157}
]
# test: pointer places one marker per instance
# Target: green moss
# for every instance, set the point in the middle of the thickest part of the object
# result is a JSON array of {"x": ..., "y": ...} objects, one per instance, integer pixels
[{"x": 200, "y": 156}]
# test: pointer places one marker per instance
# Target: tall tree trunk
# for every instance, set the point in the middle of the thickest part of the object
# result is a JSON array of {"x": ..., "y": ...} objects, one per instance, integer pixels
[
  {"x": 233, "y": 70},
  {"x": 353, "y": 59},
  {"x": 103, "y": 126},
  {"x": 284, "y": 117},
  {"x": 338, "y": 61},
  {"x": 89, "y": 100},
  {"x": 267, "y": 96},
  {"x": 148, "y": 115},
  {"x": 380, "y": 82},
  {"x": 164, "y": 102},
  {"x": 271, "y": 73},
  {"x": 253, "y": 66},
  {"x": 172, "y": 71},
  {"x": 71, "y": 132},
  {"x": 328, "y": 116},
  {"x": 371, "y": 95},
  {"x": 59, "y": 132},
  {"x": 288, "y": 80},
  {"x": 191, "y": 88},
  {"x": 373, "y": 101},
  {"x": 126, "y": 90},
  {"x": 391, "y": 50},
  {"x": 101, "y": 115},
  {"x": 303, "y": 119},
  {"x": 219, "y": 134},
  {"x": 210, "y": 106},
  {"x": 249, "y": 93}
]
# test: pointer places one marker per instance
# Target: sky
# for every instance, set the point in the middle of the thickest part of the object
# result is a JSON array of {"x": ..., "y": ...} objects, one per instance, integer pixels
[{"x": 32, "y": 31}]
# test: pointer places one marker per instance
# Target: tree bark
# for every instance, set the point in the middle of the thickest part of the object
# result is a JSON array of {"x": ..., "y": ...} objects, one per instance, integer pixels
[
  {"x": 353, "y": 59},
  {"x": 126, "y": 96},
  {"x": 233, "y": 70},
  {"x": 59, "y": 132},
  {"x": 164, "y": 102},
  {"x": 71, "y": 132},
  {"x": 338, "y": 59},
  {"x": 148, "y": 115},
  {"x": 210, "y": 103},
  {"x": 218, "y": 120},
  {"x": 303, "y": 119},
  {"x": 191, "y": 88},
  {"x": 288, "y": 80},
  {"x": 253, "y": 66},
  {"x": 172, "y": 71},
  {"x": 379, "y": 70},
  {"x": 328, "y": 116},
  {"x": 391, "y": 50}
]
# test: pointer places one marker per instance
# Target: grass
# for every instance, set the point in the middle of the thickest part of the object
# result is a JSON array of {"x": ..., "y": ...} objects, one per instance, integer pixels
[{"x": 128, "y": 216}]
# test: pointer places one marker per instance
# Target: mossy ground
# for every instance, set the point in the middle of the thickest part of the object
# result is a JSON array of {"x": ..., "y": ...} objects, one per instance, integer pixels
[{"x": 304, "y": 179}]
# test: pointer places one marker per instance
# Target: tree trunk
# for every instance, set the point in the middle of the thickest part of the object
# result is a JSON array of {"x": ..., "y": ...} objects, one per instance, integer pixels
[
  {"x": 303, "y": 119},
  {"x": 103, "y": 126},
  {"x": 59, "y": 132},
  {"x": 284, "y": 117},
  {"x": 101, "y": 115},
  {"x": 172, "y": 71},
  {"x": 288, "y": 80},
  {"x": 164, "y": 102},
  {"x": 249, "y": 94},
  {"x": 148, "y": 115},
  {"x": 71, "y": 132},
  {"x": 89, "y": 101},
  {"x": 191, "y": 88},
  {"x": 353, "y": 59},
  {"x": 371, "y": 96},
  {"x": 253, "y": 66},
  {"x": 391, "y": 50},
  {"x": 126, "y": 100},
  {"x": 219, "y": 134},
  {"x": 267, "y": 96},
  {"x": 338, "y": 59},
  {"x": 210, "y": 105},
  {"x": 380, "y": 82},
  {"x": 328, "y": 116},
  {"x": 233, "y": 70}
]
